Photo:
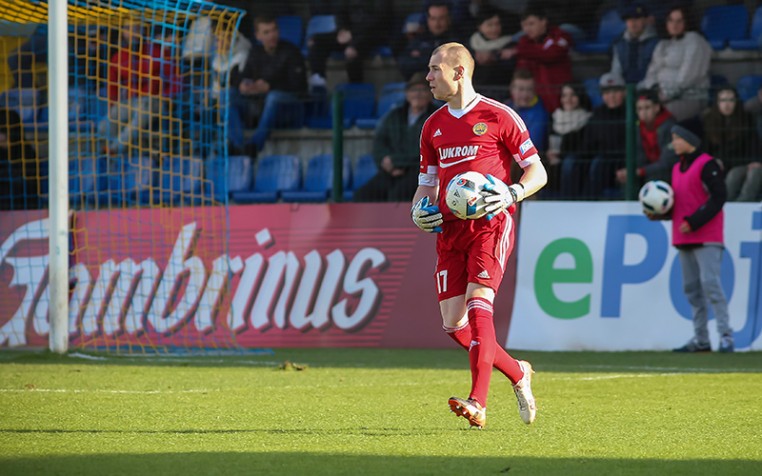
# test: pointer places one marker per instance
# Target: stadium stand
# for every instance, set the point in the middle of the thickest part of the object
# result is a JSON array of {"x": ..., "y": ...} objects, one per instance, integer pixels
[
  {"x": 318, "y": 180},
  {"x": 753, "y": 41},
  {"x": 723, "y": 23},
  {"x": 274, "y": 175},
  {"x": 609, "y": 28}
]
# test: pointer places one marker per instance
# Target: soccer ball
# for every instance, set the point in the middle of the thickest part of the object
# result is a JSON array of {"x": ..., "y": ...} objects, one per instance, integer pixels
[
  {"x": 464, "y": 198},
  {"x": 656, "y": 197}
]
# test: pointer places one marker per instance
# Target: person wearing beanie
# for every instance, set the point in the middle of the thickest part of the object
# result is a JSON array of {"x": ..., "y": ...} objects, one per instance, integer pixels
[{"x": 697, "y": 233}]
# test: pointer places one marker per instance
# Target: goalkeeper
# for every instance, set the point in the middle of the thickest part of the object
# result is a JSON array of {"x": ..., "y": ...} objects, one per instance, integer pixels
[{"x": 474, "y": 133}]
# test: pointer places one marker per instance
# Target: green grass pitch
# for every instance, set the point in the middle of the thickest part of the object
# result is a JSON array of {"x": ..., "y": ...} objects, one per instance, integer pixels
[{"x": 378, "y": 412}]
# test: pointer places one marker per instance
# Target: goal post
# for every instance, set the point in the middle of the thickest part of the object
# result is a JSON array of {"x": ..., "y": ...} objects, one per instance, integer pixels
[{"x": 113, "y": 200}]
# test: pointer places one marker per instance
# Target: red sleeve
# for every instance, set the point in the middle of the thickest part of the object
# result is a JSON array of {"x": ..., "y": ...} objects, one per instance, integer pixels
[
  {"x": 515, "y": 136},
  {"x": 428, "y": 154},
  {"x": 555, "y": 48}
]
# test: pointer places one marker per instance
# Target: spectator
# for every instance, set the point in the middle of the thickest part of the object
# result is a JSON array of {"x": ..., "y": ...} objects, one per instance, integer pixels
[
  {"x": 680, "y": 67},
  {"x": 730, "y": 136},
  {"x": 142, "y": 77},
  {"x": 226, "y": 62},
  {"x": 415, "y": 56},
  {"x": 525, "y": 101},
  {"x": 362, "y": 26},
  {"x": 494, "y": 59},
  {"x": 544, "y": 51},
  {"x": 604, "y": 141},
  {"x": 633, "y": 50},
  {"x": 655, "y": 157},
  {"x": 396, "y": 146},
  {"x": 19, "y": 172},
  {"x": 568, "y": 131},
  {"x": 274, "y": 76}
]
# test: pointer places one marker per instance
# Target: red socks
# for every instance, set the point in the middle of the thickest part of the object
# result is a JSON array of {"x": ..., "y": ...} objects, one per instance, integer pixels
[{"x": 487, "y": 353}]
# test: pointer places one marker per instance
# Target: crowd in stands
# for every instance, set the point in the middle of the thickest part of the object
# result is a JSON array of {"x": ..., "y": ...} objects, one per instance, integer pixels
[{"x": 525, "y": 47}]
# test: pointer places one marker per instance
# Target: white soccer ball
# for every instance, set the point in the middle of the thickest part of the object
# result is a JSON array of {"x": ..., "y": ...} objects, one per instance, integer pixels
[
  {"x": 464, "y": 198},
  {"x": 656, "y": 197}
]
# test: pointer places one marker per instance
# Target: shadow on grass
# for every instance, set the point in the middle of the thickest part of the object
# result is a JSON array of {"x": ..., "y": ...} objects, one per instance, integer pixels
[
  {"x": 280, "y": 463},
  {"x": 640, "y": 362}
]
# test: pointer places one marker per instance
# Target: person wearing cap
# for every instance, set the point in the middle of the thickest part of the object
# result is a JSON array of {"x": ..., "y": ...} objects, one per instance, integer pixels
[
  {"x": 395, "y": 146},
  {"x": 631, "y": 53},
  {"x": 697, "y": 233},
  {"x": 592, "y": 173},
  {"x": 679, "y": 67},
  {"x": 655, "y": 156}
]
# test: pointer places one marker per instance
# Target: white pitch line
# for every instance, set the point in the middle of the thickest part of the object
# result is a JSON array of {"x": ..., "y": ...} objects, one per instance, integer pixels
[{"x": 616, "y": 376}]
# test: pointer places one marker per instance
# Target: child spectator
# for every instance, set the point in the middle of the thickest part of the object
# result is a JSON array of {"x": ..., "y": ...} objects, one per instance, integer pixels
[
  {"x": 680, "y": 67},
  {"x": 527, "y": 103},
  {"x": 491, "y": 50},
  {"x": 730, "y": 136},
  {"x": 568, "y": 129},
  {"x": 544, "y": 51}
]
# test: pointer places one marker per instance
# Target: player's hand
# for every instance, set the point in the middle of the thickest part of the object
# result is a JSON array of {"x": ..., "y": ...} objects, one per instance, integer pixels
[
  {"x": 427, "y": 217},
  {"x": 498, "y": 196}
]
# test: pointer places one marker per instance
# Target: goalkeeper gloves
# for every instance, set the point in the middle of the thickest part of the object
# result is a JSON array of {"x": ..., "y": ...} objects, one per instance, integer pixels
[
  {"x": 499, "y": 197},
  {"x": 427, "y": 217}
]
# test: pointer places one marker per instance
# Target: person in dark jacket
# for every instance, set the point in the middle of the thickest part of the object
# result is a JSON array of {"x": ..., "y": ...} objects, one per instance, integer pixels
[
  {"x": 396, "y": 146},
  {"x": 632, "y": 52},
  {"x": 415, "y": 55},
  {"x": 568, "y": 126},
  {"x": 697, "y": 233},
  {"x": 655, "y": 156},
  {"x": 274, "y": 74},
  {"x": 361, "y": 26}
]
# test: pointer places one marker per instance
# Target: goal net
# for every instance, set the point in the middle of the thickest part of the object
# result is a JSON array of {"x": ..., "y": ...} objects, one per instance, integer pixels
[{"x": 147, "y": 128}]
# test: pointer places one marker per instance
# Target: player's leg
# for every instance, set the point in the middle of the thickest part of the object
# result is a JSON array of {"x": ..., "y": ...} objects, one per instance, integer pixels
[
  {"x": 695, "y": 296},
  {"x": 709, "y": 259}
]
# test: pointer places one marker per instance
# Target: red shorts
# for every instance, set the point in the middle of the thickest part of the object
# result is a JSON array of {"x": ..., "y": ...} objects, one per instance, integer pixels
[{"x": 472, "y": 251}]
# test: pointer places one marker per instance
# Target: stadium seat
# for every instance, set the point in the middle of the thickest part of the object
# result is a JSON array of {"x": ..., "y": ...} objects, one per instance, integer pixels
[
  {"x": 221, "y": 180},
  {"x": 610, "y": 28},
  {"x": 181, "y": 180},
  {"x": 24, "y": 101},
  {"x": 274, "y": 175},
  {"x": 131, "y": 180},
  {"x": 87, "y": 179},
  {"x": 364, "y": 169},
  {"x": 318, "y": 180},
  {"x": 593, "y": 90},
  {"x": 387, "y": 101},
  {"x": 722, "y": 23},
  {"x": 316, "y": 25},
  {"x": 747, "y": 86},
  {"x": 359, "y": 103},
  {"x": 754, "y": 39},
  {"x": 290, "y": 27}
]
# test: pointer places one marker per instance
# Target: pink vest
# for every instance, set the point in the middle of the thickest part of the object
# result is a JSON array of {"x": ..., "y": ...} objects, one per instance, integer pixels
[{"x": 689, "y": 196}]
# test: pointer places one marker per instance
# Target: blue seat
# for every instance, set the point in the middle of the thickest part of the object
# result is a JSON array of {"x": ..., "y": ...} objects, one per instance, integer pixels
[
  {"x": 24, "y": 101},
  {"x": 318, "y": 180},
  {"x": 222, "y": 179},
  {"x": 131, "y": 180},
  {"x": 593, "y": 90},
  {"x": 359, "y": 103},
  {"x": 748, "y": 86},
  {"x": 365, "y": 168},
  {"x": 386, "y": 102},
  {"x": 316, "y": 25},
  {"x": 722, "y": 23},
  {"x": 181, "y": 180},
  {"x": 610, "y": 28},
  {"x": 291, "y": 30},
  {"x": 274, "y": 175},
  {"x": 88, "y": 178},
  {"x": 754, "y": 40}
]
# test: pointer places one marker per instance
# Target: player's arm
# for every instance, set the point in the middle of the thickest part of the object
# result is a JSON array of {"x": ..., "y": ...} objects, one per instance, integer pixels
[
  {"x": 532, "y": 180},
  {"x": 425, "y": 212}
]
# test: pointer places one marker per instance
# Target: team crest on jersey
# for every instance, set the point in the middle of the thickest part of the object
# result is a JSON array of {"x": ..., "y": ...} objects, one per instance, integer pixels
[{"x": 480, "y": 128}]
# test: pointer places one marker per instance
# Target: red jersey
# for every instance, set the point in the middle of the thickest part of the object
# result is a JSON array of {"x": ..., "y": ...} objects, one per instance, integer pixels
[{"x": 486, "y": 137}]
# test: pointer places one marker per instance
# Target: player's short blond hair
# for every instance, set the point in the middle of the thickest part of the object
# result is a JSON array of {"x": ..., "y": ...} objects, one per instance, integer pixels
[{"x": 455, "y": 54}]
